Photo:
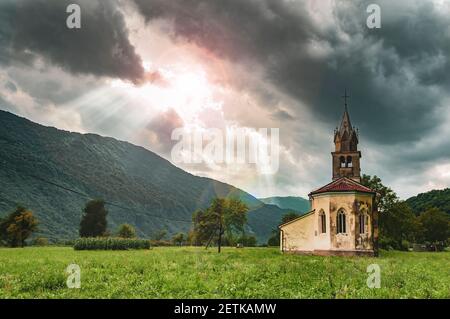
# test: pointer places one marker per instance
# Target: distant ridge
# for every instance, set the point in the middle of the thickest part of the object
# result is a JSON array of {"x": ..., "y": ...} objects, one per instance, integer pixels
[
  {"x": 294, "y": 203},
  {"x": 435, "y": 198},
  {"x": 54, "y": 172}
]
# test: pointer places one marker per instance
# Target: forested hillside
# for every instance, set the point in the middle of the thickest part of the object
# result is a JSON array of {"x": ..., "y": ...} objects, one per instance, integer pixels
[
  {"x": 435, "y": 198},
  {"x": 293, "y": 203},
  {"x": 54, "y": 172}
]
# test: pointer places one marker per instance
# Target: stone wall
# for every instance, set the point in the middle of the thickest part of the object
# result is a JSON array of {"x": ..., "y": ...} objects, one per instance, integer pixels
[
  {"x": 299, "y": 235},
  {"x": 303, "y": 235}
]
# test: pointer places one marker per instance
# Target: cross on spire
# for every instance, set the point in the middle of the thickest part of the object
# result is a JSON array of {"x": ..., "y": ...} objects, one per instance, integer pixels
[
  {"x": 345, "y": 97},
  {"x": 345, "y": 123}
]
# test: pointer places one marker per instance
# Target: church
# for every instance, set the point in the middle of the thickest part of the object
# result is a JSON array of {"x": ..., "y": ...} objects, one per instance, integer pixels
[{"x": 343, "y": 218}]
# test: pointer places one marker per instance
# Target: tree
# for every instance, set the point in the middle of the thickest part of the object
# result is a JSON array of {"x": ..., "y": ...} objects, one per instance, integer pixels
[
  {"x": 40, "y": 241},
  {"x": 93, "y": 222},
  {"x": 159, "y": 235},
  {"x": 217, "y": 213},
  {"x": 247, "y": 241},
  {"x": 274, "y": 240},
  {"x": 385, "y": 197},
  {"x": 223, "y": 216},
  {"x": 126, "y": 231},
  {"x": 192, "y": 239},
  {"x": 18, "y": 226},
  {"x": 178, "y": 239},
  {"x": 435, "y": 226},
  {"x": 399, "y": 223},
  {"x": 384, "y": 200},
  {"x": 205, "y": 227},
  {"x": 234, "y": 219}
]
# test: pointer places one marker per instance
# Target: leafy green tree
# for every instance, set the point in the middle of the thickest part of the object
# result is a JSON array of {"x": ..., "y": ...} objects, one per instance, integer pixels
[
  {"x": 126, "y": 231},
  {"x": 399, "y": 224},
  {"x": 435, "y": 226},
  {"x": 178, "y": 239},
  {"x": 40, "y": 241},
  {"x": 18, "y": 226},
  {"x": 192, "y": 239},
  {"x": 159, "y": 235},
  {"x": 385, "y": 197},
  {"x": 234, "y": 219},
  {"x": 247, "y": 241},
  {"x": 274, "y": 239},
  {"x": 204, "y": 226},
  {"x": 93, "y": 222},
  {"x": 224, "y": 216},
  {"x": 216, "y": 215}
]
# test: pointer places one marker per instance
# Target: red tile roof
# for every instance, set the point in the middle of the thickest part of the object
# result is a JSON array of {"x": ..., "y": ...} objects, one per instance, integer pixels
[{"x": 343, "y": 184}]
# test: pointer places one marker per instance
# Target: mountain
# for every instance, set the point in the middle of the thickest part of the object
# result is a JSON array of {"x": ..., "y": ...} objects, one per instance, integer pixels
[
  {"x": 435, "y": 198},
  {"x": 293, "y": 203},
  {"x": 54, "y": 172}
]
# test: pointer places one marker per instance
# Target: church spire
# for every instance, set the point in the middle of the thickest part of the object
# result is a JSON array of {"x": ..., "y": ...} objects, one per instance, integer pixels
[
  {"x": 346, "y": 155},
  {"x": 346, "y": 125}
]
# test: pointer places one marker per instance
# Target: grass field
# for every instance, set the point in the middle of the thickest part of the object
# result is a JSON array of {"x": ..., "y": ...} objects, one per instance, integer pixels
[{"x": 235, "y": 273}]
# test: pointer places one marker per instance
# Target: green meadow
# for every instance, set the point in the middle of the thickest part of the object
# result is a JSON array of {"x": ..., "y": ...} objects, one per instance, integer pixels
[{"x": 169, "y": 272}]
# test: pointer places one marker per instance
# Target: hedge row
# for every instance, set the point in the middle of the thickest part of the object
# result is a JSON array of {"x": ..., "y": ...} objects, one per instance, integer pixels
[{"x": 110, "y": 244}]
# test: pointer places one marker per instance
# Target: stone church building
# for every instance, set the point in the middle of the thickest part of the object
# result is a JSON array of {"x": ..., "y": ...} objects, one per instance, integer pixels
[{"x": 341, "y": 221}]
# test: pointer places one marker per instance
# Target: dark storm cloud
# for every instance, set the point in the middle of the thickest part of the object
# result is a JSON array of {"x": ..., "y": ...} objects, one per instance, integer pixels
[
  {"x": 234, "y": 29},
  {"x": 396, "y": 75},
  {"x": 30, "y": 28}
]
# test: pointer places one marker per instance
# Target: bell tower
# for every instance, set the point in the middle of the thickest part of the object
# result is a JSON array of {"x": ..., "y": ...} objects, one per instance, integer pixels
[{"x": 346, "y": 157}]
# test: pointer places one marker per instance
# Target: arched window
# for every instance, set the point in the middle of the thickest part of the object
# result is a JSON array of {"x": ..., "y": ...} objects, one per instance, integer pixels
[
  {"x": 363, "y": 223},
  {"x": 349, "y": 161},
  {"x": 322, "y": 222},
  {"x": 342, "y": 159},
  {"x": 341, "y": 222}
]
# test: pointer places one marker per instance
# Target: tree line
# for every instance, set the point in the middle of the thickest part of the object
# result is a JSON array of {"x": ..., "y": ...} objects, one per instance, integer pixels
[
  {"x": 224, "y": 223},
  {"x": 399, "y": 226},
  {"x": 221, "y": 224}
]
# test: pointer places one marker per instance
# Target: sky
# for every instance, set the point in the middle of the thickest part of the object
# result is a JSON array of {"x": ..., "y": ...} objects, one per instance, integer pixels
[{"x": 137, "y": 70}]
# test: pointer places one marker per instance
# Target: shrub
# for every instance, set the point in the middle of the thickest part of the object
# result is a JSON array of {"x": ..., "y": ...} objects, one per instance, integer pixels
[
  {"x": 65, "y": 242},
  {"x": 126, "y": 231},
  {"x": 99, "y": 243},
  {"x": 160, "y": 243},
  {"x": 405, "y": 245},
  {"x": 274, "y": 241},
  {"x": 178, "y": 239},
  {"x": 40, "y": 241},
  {"x": 247, "y": 241},
  {"x": 387, "y": 243}
]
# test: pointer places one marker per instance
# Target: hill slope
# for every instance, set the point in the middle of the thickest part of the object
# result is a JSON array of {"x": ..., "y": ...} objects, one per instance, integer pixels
[
  {"x": 54, "y": 172},
  {"x": 434, "y": 198},
  {"x": 297, "y": 204}
]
